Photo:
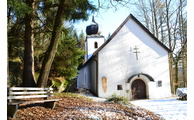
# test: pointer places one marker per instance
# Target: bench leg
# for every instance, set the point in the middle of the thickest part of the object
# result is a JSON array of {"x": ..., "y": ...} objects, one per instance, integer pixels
[
  {"x": 50, "y": 104},
  {"x": 12, "y": 110}
]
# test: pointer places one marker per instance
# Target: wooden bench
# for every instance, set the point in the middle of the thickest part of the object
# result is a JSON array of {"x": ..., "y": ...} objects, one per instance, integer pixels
[{"x": 21, "y": 95}]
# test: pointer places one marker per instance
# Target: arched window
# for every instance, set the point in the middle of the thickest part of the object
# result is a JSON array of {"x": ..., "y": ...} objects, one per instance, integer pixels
[{"x": 95, "y": 45}]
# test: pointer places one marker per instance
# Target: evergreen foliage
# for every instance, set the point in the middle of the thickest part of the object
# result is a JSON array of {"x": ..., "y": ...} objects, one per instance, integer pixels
[
  {"x": 44, "y": 28},
  {"x": 67, "y": 57}
]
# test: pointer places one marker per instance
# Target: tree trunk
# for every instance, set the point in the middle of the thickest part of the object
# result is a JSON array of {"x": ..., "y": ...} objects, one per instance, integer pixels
[
  {"x": 51, "y": 51},
  {"x": 171, "y": 72},
  {"x": 170, "y": 46},
  {"x": 155, "y": 21},
  {"x": 176, "y": 84},
  {"x": 182, "y": 26},
  {"x": 28, "y": 72},
  {"x": 184, "y": 69}
]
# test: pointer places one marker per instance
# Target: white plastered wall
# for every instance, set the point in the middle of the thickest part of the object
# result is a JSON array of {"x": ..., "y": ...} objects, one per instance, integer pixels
[{"x": 117, "y": 62}]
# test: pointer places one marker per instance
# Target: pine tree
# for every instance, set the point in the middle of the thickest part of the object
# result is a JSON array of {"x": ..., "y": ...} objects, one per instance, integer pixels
[
  {"x": 28, "y": 72},
  {"x": 16, "y": 24},
  {"x": 70, "y": 10},
  {"x": 67, "y": 57},
  {"x": 42, "y": 23}
]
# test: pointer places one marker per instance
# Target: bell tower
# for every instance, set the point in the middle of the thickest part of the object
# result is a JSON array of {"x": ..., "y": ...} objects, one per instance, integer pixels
[{"x": 93, "y": 40}]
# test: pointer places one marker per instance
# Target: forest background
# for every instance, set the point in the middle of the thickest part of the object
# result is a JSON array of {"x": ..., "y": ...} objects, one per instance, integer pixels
[{"x": 44, "y": 48}]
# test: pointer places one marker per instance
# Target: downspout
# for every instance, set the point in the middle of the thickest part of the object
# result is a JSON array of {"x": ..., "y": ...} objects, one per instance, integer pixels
[{"x": 96, "y": 60}]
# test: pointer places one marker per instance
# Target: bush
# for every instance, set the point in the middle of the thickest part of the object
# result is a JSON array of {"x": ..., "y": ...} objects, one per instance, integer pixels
[
  {"x": 118, "y": 99},
  {"x": 60, "y": 83}
]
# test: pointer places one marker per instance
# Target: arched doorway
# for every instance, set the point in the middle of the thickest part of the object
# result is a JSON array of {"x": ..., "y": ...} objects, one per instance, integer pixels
[{"x": 138, "y": 89}]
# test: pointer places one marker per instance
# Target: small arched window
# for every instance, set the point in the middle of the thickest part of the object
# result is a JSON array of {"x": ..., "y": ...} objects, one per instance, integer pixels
[{"x": 95, "y": 45}]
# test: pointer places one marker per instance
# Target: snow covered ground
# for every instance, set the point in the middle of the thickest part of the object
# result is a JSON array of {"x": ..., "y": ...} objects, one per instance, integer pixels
[{"x": 169, "y": 109}]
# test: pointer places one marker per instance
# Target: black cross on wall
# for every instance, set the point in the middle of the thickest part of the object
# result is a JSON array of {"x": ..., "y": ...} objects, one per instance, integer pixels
[{"x": 135, "y": 50}]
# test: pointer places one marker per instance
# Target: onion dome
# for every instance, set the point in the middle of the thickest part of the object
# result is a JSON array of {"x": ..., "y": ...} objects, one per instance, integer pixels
[{"x": 94, "y": 28}]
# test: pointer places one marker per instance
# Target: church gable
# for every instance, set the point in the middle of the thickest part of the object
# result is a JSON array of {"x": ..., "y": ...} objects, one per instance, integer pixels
[
  {"x": 131, "y": 57},
  {"x": 136, "y": 24},
  {"x": 132, "y": 50}
]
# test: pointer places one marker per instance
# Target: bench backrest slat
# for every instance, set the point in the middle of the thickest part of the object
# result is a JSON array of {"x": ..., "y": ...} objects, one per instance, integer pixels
[
  {"x": 30, "y": 96},
  {"x": 28, "y": 93},
  {"x": 28, "y": 88}
]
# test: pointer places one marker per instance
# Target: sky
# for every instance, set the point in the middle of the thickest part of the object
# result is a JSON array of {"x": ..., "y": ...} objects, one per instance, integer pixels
[{"x": 109, "y": 20}]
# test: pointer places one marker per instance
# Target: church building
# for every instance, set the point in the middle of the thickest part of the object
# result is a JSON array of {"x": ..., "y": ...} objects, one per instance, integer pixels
[{"x": 131, "y": 63}]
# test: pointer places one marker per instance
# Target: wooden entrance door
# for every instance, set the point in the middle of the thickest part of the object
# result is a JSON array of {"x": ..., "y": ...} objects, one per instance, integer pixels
[{"x": 138, "y": 89}]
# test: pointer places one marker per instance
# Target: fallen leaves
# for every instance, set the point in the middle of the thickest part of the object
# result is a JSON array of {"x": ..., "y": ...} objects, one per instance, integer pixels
[{"x": 76, "y": 108}]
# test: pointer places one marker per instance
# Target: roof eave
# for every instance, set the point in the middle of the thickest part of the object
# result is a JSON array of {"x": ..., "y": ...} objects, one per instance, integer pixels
[{"x": 149, "y": 33}]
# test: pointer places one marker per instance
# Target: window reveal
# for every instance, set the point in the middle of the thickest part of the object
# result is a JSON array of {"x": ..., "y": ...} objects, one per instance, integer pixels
[
  {"x": 119, "y": 87},
  {"x": 95, "y": 45}
]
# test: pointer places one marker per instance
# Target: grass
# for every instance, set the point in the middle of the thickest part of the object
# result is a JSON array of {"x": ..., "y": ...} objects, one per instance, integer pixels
[
  {"x": 114, "y": 98},
  {"x": 74, "y": 95}
]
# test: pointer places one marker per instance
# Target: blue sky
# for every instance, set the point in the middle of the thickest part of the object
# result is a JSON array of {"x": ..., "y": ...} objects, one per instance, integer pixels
[{"x": 109, "y": 20}]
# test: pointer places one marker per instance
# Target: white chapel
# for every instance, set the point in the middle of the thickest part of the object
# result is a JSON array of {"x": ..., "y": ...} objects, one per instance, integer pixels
[{"x": 131, "y": 63}]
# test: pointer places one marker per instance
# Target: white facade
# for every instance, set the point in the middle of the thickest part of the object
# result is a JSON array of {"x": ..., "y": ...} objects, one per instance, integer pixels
[
  {"x": 118, "y": 62},
  {"x": 92, "y": 44}
]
